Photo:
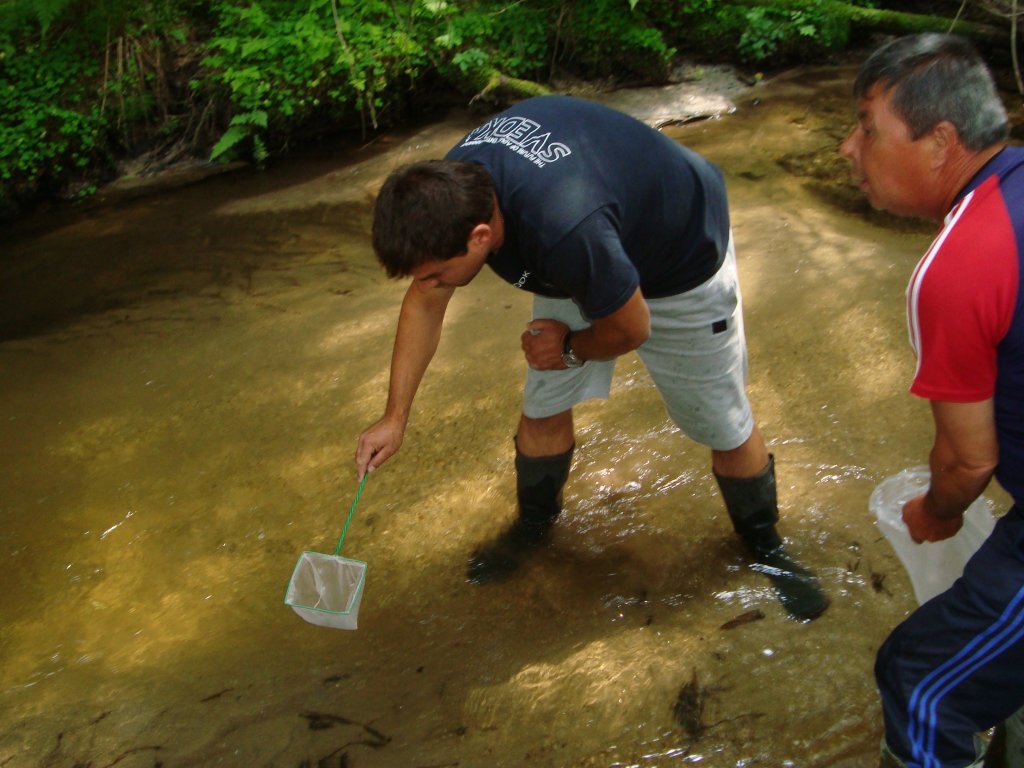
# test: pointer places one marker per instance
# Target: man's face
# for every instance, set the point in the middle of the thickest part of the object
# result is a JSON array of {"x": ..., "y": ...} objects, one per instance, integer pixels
[
  {"x": 460, "y": 270},
  {"x": 893, "y": 170},
  {"x": 450, "y": 273}
]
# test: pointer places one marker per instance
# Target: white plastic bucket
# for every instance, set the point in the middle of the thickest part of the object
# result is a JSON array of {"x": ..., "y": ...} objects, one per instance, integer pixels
[
  {"x": 326, "y": 589},
  {"x": 932, "y": 566}
]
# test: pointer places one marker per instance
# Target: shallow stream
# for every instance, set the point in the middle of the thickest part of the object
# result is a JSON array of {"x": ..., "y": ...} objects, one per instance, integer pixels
[{"x": 182, "y": 381}]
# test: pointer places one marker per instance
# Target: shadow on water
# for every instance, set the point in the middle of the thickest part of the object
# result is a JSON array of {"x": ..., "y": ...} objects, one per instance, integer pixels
[{"x": 184, "y": 378}]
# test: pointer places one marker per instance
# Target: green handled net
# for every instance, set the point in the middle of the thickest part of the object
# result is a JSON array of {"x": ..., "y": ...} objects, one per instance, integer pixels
[{"x": 326, "y": 589}]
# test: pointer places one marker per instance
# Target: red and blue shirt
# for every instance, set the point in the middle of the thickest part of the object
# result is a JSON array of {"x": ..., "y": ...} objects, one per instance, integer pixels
[{"x": 965, "y": 308}]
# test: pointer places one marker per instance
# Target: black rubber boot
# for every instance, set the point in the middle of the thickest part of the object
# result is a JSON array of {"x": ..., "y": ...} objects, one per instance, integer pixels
[
  {"x": 539, "y": 483},
  {"x": 753, "y": 509},
  {"x": 1006, "y": 749},
  {"x": 995, "y": 757}
]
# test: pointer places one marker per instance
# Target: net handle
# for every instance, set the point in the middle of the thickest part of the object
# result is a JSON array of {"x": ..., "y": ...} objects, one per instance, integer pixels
[{"x": 351, "y": 512}]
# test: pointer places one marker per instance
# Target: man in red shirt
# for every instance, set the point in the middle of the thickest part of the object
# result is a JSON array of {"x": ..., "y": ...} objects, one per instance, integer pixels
[{"x": 930, "y": 141}]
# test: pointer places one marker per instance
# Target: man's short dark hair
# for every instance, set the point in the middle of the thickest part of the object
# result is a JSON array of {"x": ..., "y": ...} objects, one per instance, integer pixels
[
  {"x": 426, "y": 211},
  {"x": 938, "y": 78}
]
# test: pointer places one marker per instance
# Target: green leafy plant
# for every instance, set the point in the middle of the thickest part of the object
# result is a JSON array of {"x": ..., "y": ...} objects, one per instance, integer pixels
[
  {"x": 15, "y": 14},
  {"x": 51, "y": 125},
  {"x": 243, "y": 126},
  {"x": 785, "y": 33},
  {"x": 607, "y": 37},
  {"x": 280, "y": 66},
  {"x": 478, "y": 38},
  {"x": 86, "y": 83}
]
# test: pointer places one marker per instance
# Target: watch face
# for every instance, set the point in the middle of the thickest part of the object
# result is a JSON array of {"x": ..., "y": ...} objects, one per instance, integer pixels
[{"x": 569, "y": 358}]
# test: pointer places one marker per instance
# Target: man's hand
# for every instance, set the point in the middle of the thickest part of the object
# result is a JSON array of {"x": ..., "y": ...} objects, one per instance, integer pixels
[
  {"x": 377, "y": 444},
  {"x": 542, "y": 344},
  {"x": 605, "y": 338},
  {"x": 963, "y": 457},
  {"x": 925, "y": 526}
]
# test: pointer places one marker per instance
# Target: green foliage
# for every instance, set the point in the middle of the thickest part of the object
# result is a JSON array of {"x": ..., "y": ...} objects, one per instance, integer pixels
[
  {"x": 789, "y": 33},
  {"x": 477, "y": 37},
  {"x": 17, "y": 13},
  {"x": 243, "y": 126},
  {"x": 85, "y": 82},
  {"x": 520, "y": 37},
  {"x": 81, "y": 84},
  {"x": 51, "y": 124},
  {"x": 289, "y": 62},
  {"x": 608, "y": 37},
  {"x": 678, "y": 21},
  {"x": 769, "y": 33}
]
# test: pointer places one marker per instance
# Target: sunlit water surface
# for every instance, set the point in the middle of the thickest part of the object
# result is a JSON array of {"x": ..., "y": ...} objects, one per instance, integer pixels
[{"x": 182, "y": 382}]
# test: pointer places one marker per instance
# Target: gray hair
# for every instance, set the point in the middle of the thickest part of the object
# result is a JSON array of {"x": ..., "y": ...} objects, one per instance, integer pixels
[{"x": 938, "y": 77}]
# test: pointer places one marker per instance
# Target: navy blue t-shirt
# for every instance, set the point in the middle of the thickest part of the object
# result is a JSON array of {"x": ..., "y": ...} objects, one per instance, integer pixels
[{"x": 596, "y": 203}]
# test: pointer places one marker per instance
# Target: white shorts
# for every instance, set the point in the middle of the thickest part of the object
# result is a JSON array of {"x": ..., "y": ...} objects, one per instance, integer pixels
[{"x": 696, "y": 355}]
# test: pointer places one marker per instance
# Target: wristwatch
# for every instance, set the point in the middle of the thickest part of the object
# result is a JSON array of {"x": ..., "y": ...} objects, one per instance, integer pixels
[{"x": 569, "y": 358}]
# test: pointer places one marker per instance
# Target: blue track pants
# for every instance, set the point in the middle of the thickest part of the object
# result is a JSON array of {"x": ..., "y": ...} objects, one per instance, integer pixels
[{"x": 956, "y": 665}]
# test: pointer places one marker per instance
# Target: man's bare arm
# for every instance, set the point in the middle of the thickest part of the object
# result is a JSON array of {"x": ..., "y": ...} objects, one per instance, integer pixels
[
  {"x": 416, "y": 340},
  {"x": 964, "y": 456}
]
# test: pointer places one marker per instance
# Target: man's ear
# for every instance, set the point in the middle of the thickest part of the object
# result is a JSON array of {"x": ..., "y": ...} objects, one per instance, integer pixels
[
  {"x": 480, "y": 236},
  {"x": 945, "y": 140}
]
